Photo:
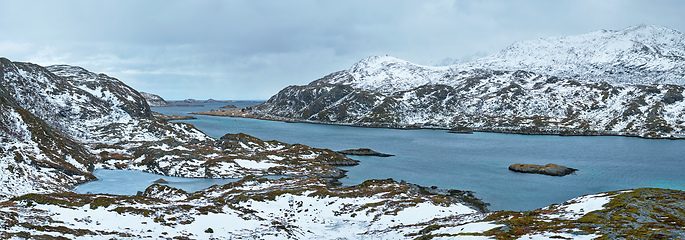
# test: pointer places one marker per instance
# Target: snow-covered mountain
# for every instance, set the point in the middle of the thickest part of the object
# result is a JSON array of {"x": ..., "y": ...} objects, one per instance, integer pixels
[
  {"x": 627, "y": 82},
  {"x": 59, "y": 123},
  {"x": 642, "y": 54}
]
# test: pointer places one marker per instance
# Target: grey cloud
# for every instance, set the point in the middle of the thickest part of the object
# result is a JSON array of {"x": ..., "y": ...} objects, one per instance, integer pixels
[{"x": 252, "y": 49}]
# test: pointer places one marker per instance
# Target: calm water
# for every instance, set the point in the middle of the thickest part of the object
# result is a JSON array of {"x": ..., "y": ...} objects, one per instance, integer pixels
[
  {"x": 479, "y": 161},
  {"x": 124, "y": 182}
]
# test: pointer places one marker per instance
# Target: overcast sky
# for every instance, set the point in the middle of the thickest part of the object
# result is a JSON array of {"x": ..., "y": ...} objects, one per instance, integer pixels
[{"x": 251, "y": 49}]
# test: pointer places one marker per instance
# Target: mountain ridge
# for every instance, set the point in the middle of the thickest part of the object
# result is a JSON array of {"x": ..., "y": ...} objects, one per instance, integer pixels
[
  {"x": 600, "y": 54},
  {"x": 516, "y": 96}
]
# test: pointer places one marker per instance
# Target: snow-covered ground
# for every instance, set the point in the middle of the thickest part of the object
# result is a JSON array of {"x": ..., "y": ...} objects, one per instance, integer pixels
[{"x": 248, "y": 209}]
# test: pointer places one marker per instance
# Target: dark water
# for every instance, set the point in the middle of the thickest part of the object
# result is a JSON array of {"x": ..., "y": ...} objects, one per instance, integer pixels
[{"x": 479, "y": 161}]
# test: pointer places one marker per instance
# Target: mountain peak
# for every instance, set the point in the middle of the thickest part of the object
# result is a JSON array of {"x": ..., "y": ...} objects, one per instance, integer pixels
[
  {"x": 72, "y": 72},
  {"x": 377, "y": 61},
  {"x": 650, "y": 28},
  {"x": 386, "y": 73},
  {"x": 627, "y": 55}
]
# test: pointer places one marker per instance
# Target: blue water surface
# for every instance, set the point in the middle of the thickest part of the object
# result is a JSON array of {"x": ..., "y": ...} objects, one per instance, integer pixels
[
  {"x": 127, "y": 182},
  {"x": 479, "y": 161}
]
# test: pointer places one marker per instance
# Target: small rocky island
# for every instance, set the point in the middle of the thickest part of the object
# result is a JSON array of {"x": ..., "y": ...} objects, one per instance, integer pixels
[
  {"x": 229, "y": 106},
  {"x": 461, "y": 129},
  {"x": 364, "y": 152},
  {"x": 549, "y": 169},
  {"x": 161, "y": 180}
]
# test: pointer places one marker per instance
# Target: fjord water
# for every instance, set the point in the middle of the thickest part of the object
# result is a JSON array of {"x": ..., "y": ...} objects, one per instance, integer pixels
[{"x": 479, "y": 161}]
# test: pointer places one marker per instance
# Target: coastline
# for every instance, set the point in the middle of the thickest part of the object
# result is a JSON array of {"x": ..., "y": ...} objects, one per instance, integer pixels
[{"x": 247, "y": 113}]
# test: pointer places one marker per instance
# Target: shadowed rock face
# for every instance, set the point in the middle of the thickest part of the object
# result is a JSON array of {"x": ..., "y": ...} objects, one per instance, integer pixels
[{"x": 549, "y": 169}]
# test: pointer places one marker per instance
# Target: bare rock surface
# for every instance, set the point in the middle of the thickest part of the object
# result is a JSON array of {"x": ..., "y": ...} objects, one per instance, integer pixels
[
  {"x": 364, "y": 152},
  {"x": 548, "y": 169}
]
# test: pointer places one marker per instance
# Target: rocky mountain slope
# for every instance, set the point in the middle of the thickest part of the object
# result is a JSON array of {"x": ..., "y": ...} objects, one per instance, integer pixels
[
  {"x": 34, "y": 155},
  {"x": 631, "y": 85},
  {"x": 155, "y": 100},
  {"x": 59, "y": 123},
  {"x": 642, "y": 54}
]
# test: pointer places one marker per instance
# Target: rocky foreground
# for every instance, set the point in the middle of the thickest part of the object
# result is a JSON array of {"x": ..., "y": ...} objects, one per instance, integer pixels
[{"x": 306, "y": 208}]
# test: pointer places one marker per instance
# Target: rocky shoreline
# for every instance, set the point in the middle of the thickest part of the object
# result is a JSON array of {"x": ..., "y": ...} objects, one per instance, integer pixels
[{"x": 248, "y": 112}]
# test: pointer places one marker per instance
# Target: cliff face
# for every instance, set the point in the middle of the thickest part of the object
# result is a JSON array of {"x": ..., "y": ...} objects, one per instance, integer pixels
[{"x": 632, "y": 86}]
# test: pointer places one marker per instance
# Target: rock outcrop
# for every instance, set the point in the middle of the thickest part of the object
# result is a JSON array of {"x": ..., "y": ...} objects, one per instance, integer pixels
[
  {"x": 548, "y": 169},
  {"x": 155, "y": 100},
  {"x": 161, "y": 180},
  {"x": 364, "y": 152}
]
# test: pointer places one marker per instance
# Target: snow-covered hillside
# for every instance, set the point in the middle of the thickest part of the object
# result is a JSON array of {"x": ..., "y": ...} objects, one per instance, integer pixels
[
  {"x": 642, "y": 54},
  {"x": 155, "y": 100},
  {"x": 34, "y": 155},
  {"x": 59, "y": 123},
  {"x": 305, "y": 208},
  {"x": 626, "y": 82}
]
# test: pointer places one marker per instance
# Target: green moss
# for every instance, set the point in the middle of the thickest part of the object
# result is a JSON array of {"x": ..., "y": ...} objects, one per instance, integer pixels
[
  {"x": 138, "y": 211},
  {"x": 101, "y": 202},
  {"x": 63, "y": 199}
]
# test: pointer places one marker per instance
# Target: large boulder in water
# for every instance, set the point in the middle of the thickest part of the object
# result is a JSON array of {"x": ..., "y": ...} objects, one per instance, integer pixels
[{"x": 549, "y": 169}]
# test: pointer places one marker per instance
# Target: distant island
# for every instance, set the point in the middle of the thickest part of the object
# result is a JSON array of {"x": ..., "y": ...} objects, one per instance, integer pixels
[
  {"x": 155, "y": 100},
  {"x": 190, "y": 100},
  {"x": 364, "y": 152}
]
